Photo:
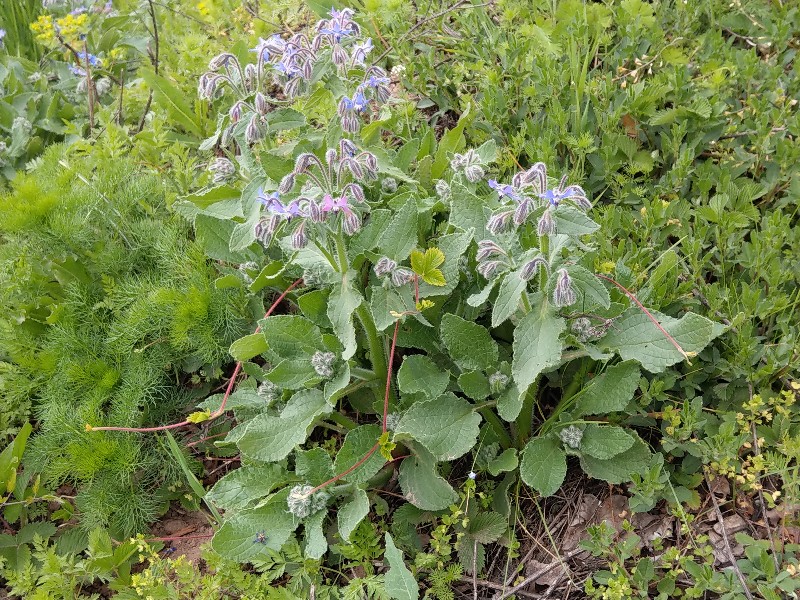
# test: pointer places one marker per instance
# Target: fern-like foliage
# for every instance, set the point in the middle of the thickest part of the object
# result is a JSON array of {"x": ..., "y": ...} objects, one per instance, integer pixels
[{"x": 107, "y": 306}]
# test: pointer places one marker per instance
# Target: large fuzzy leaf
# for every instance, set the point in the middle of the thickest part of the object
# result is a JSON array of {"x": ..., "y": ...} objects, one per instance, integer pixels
[
  {"x": 544, "y": 465},
  {"x": 537, "y": 344},
  {"x": 446, "y": 426},
  {"x": 635, "y": 337},
  {"x": 268, "y": 438}
]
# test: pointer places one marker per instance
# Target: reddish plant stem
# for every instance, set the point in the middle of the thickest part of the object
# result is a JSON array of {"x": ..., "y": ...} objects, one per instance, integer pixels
[
  {"x": 389, "y": 376},
  {"x": 347, "y": 472},
  {"x": 377, "y": 445},
  {"x": 217, "y": 413},
  {"x": 649, "y": 316}
]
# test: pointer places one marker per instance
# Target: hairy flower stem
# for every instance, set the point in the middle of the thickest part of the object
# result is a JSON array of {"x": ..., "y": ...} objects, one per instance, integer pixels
[
  {"x": 377, "y": 352},
  {"x": 499, "y": 428},
  {"x": 526, "y": 303},
  {"x": 341, "y": 253},
  {"x": 544, "y": 248},
  {"x": 525, "y": 419}
]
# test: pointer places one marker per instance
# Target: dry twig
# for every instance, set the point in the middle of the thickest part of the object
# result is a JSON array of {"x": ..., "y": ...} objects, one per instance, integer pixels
[{"x": 725, "y": 539}]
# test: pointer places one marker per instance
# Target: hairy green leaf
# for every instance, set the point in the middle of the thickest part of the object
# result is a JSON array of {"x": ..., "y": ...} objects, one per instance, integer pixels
[
  {"x": 352, "y": 513},
  {"x": 421, "y": 484},
  {"x": 487, "y": 527},
  {"x": 268, "y": 438},
  {"x": 470, "y": 345},
  {"x": 537, "y": 344},
  {"x": 619, "y": 468},
  {"x": 446, "y": 426},
  {"x": 357, "y": 443},
  {"x": 236, "y": 539},
  {"x": 400, "y": 583},
  {"x": 291, "y": 336},
  {"x": 611, "y": 391},
  {"x": 544, "y": 465},
  {"x": 604, "y": 441},
  {"x": 635, "y": 337},
  {"x": 246, "y": 484},
  {"x": 508, "y": 298}
]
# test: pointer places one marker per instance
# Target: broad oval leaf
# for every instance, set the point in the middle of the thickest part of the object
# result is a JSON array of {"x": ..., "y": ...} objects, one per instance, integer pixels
[
  {"x": 470, "y": 345},
  {"x": 611, "y": 391},
  {"x": 419, "y": 374},
  {"x": 446, "y": 426},
  {"x": 605, "y": 441},
  {"x": 544, "y": 465},
  {"x": 357, "y": 443}
]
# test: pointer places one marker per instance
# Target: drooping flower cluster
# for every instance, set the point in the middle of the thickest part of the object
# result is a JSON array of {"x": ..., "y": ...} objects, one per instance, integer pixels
[
  {"x": 328, "y": 197},
  {"x": 493, "y": 260},
  {"x": 293, "y": 65},
  {"x": 528, "y": 192}
]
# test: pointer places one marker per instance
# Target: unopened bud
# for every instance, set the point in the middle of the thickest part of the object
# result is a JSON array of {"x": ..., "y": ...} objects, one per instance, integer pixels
[
  {"x": 443, "y": 189},
  {"x": 571, "y": 436},
  {"x": 351, "y": 222},
  {"x": 261, "y": 103},
  {"x": 286, "y": 184},
  {"x": 547, "y": 224},
  {"x": 564, "y": 294},
  {"x": 299, "y": 236},
  {"x": 487, "y": 249},
  {"x": 401, "y": 276},
  {"x": 384, "y": 266},
  {"x": 498, "y": 382},
  {"x": 531, "y": 268},
  {"x": 500, "y": 222}
]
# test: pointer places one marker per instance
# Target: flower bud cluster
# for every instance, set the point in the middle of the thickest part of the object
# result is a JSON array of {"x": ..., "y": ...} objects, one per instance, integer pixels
[
  {"x": 528, "y": 192},
  {"x": 323, "y": 363},
  {"x": 293, "y": 64},
  {"x": 269, "y": 392},
  {"x": 498, "y": 382},
  {"x": 492, "y": 259},
  {"x": 398, "y": 276},
  {"x": 585, "y": 332},
  {"x": 470, "y": 163},
  {"x": 330, "y": 189},
  {"x": 221, "y": 169},
  {"x": 304, "y": 502},
  {"x": 571, "y": 436}
]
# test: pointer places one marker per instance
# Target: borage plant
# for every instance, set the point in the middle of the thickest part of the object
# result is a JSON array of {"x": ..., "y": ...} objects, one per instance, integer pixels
[{"x": 484, "y": 294}]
